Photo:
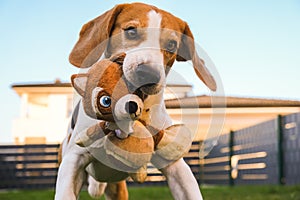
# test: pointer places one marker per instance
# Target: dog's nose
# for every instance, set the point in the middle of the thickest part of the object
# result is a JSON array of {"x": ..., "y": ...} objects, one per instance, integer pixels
[
  {"x": 147, "y": 75},
  {"x": 131, "y": 107}
]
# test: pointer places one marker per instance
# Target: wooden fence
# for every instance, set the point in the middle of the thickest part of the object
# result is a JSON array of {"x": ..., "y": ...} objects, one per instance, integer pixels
[
  {"x": 35, "y": 166},
  {"x": 28, "y": 166},
  {"x": 268, "y": 153}
]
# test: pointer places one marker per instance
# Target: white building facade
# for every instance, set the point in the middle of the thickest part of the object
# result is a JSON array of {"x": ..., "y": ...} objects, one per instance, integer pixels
[{"x": 46, "y": 109}]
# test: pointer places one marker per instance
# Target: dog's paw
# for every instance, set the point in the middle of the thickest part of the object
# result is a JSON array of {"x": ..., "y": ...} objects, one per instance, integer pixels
[{"x": 95, "y": 188}]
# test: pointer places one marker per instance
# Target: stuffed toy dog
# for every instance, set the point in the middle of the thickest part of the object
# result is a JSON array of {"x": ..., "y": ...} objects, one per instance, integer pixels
[{"x": 105, "y": 97}]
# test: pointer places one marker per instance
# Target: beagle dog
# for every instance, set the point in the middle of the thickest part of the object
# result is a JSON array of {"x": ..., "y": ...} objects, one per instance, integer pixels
[{"x": 152, "y": 40}]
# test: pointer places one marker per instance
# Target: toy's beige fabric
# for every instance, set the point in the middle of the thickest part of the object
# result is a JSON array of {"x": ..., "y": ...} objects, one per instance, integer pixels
[
  {"x": 174, "y": 143},
  {"x": 135, "y": 150}
]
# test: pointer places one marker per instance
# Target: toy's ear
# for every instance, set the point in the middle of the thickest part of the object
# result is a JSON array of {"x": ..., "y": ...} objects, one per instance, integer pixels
[
  {"x": 118, "y": 58},
  {"x": 79, "y": 82}
]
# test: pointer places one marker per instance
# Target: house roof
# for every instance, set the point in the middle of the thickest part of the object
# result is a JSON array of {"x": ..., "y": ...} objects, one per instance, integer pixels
[
  {"x": 233, "y": 102},
  {"x": 56, "y": 87},
  {"x": 56, "y": 83}
]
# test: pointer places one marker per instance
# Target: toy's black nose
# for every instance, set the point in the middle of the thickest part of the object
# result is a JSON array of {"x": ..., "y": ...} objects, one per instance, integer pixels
[
  {"x": 146, "y": 75},
  {"x": 131, "y": 107}
]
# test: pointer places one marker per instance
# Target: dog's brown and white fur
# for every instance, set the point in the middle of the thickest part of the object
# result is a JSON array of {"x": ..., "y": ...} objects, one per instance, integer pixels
[{"x": 152, "y": 39}]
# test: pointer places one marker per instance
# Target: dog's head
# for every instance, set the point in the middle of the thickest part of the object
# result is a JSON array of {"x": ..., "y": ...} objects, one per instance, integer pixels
[
  {"x": 104, "y": 92},
  {"x": 152, "y": 39}
]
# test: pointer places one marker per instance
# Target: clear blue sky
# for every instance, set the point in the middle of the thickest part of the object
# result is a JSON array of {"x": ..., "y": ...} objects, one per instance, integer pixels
[{"x": 254, "y": 44}]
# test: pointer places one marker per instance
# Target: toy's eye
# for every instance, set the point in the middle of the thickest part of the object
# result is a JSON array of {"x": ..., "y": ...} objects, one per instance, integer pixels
[{"x": 105, "y": 101}]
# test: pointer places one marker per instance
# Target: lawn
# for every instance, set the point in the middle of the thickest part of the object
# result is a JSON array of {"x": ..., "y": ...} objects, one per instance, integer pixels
[{"x": 163, "y": 193}]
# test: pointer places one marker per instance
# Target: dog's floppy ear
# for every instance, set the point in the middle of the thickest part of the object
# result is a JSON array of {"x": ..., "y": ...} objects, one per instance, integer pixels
[
  {"x": 89, "y": 47},
  {"x": 79, "y": 82},
  {"x": 187, "y": 52}
]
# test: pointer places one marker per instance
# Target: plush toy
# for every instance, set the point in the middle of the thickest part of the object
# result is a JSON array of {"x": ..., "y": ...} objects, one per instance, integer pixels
[{"x": 126, "y": 140}]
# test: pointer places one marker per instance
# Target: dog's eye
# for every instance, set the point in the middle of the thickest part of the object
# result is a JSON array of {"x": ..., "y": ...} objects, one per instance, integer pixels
[
  {"x": 171, "y": 46},
  {"x": 131, "y": 33},
  {"x": 105, "y": 101}
]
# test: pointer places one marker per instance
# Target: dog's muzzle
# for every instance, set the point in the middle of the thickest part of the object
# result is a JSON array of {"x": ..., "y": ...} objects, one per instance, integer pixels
[
  {"x": 147, "y": 79},
  {"x": 147, "y": 76}
]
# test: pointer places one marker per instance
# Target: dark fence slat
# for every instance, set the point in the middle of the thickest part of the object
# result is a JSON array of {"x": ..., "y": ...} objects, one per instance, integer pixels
[
  {"x": 291, "y": 149},
  {"x": 48, "y": 146},
  {"x": 54, "y": 153}
]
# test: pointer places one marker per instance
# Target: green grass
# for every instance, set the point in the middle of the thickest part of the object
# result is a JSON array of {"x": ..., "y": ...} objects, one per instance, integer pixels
[
  {"x": 163, "y": 193},
  {"x": 252, "y": 192}
]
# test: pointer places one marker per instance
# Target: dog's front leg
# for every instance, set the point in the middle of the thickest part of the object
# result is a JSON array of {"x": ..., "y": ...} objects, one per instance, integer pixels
[
  {"x": 71, "y": 175},
  {"x": 181, "y": 181}
]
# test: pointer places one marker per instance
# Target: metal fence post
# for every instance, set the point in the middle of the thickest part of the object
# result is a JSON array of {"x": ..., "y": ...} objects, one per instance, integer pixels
[
  {"x": 281, "y": 176},
  {"x": 231, "y": 144}
]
